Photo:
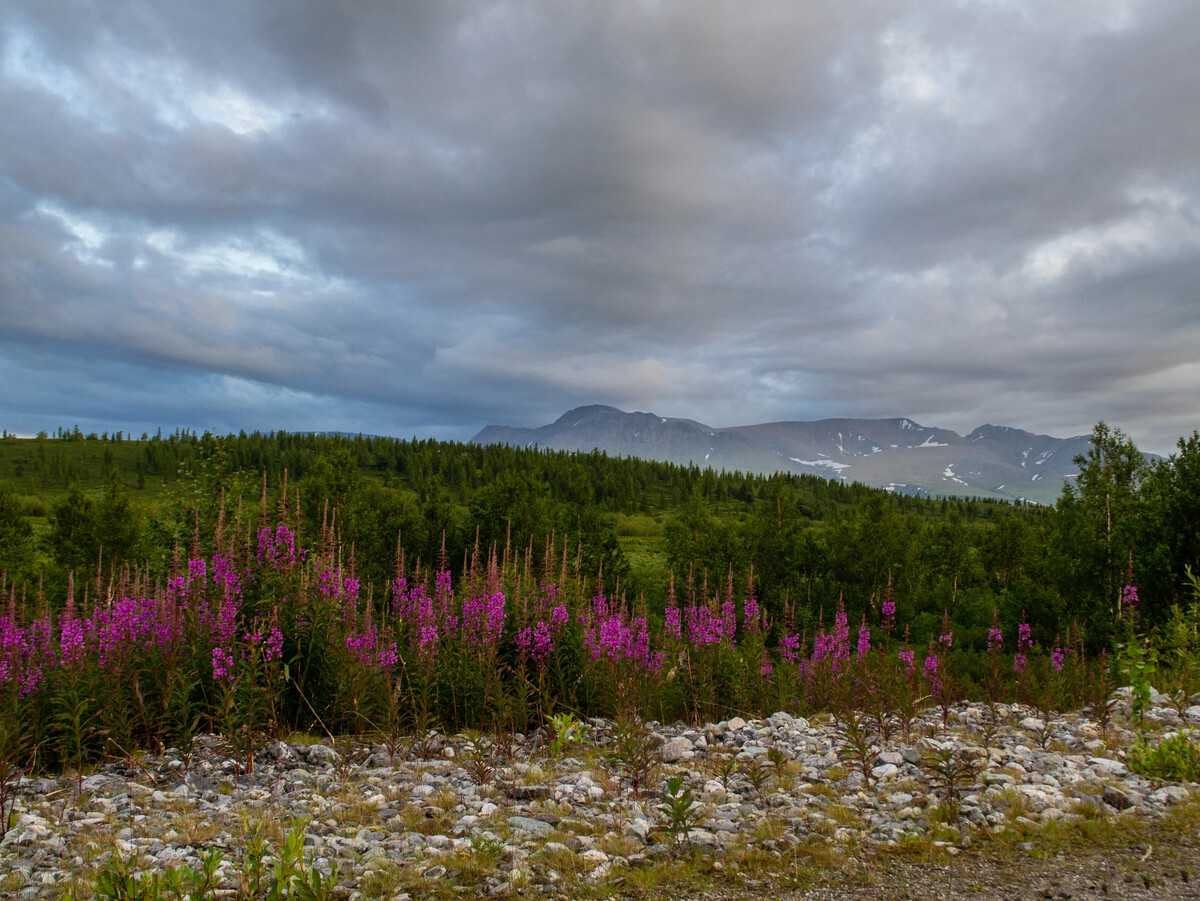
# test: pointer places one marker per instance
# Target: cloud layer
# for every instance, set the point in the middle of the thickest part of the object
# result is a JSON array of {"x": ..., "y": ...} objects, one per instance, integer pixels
[{"x": 421, "y": 217}]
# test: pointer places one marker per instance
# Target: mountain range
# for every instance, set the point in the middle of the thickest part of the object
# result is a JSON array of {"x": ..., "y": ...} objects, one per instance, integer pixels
[{"x": 896, "y": 454}]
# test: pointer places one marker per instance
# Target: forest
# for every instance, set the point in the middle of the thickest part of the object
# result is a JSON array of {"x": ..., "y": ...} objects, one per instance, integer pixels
[
  {"x": 255, "y": 584},
  {"x": 90, "y": 505}
]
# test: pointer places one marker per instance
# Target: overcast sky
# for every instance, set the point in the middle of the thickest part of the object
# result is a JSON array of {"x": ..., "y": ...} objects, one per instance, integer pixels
[{"x": 418, "y": 218}]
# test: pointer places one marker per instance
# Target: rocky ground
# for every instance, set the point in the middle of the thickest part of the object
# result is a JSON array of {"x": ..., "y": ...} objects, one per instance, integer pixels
[{"x": 991, "y": 804}]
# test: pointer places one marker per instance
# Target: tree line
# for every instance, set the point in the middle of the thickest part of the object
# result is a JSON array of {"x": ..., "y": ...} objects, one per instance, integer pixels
[{"x": 800, "y": 543}]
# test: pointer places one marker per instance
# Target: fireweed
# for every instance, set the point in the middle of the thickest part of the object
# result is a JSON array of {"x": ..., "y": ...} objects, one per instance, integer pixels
[
  {"x": 540, "y": 641},
  {"x": 618, "y": 646},
  {"x": 707, "y": 653},
  {"x": 264, "y": 635}
]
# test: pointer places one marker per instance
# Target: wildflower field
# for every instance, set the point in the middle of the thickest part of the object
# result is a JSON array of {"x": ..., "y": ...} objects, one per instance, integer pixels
[
  {"x": 265, "y": 636},
  {"x": 359, "y": 603}
]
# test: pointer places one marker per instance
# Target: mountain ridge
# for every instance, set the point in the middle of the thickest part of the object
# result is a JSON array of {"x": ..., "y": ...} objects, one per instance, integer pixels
[{"x": 897, "y": 454}]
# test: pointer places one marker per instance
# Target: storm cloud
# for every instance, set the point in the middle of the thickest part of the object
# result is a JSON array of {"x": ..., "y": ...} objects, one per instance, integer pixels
[{"x": 417, "y": 218}]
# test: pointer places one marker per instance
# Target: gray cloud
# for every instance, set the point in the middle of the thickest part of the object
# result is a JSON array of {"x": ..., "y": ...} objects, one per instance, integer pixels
[{"x": 421, "y": 217}]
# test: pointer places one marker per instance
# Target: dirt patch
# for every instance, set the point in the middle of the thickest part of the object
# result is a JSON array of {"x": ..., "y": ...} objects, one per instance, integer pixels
[
  {"x": 1169, "y": 870},
  {"x": 1155, "y": 863}
]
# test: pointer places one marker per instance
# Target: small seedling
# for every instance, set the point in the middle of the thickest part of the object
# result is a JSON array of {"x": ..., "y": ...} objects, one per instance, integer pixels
[
  {"x": 758, "y": 775},
  {"x": 951, "y": 772},
  {"x": 635, "y": 752},
  {"x": 859, "y": 746},
  {"x": 478, "y": 756},
  {"x": 725, "y": 764},
  {"x": 568, "y": 731},
  {"x": 680, "y": 810}
]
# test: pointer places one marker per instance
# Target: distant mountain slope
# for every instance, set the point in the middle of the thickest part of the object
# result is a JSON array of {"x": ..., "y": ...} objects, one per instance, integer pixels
[{"x": 898, "y": 454}]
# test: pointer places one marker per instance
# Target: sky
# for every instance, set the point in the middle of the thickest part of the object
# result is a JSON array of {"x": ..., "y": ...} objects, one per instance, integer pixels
[{"x": 419, "y": 218}]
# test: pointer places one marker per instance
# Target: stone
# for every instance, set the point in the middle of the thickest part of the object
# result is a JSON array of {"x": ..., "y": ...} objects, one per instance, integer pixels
[
  {"x": 528, "y": 792},
  {"x": 378, "y": 812},
  {"x": 1117, "y": 798},
  {"x": 677, "y": 749},
  {"x": 1169, "y": 794},
  {"x": 322, "y": 755},
  {"x": 526, "y": 824},
  {"x": 1107, "y": 766}
]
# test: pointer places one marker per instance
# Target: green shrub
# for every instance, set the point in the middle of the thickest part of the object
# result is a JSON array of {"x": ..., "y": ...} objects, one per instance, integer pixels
[{"x": 1176, "y": 757}]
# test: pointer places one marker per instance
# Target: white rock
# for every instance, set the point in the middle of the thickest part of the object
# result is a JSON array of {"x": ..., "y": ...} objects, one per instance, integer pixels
[
  {"x": 677, "y": 749},
  {"x": 1169, "y": 794},
  {"x": 1108, "y": 766}
]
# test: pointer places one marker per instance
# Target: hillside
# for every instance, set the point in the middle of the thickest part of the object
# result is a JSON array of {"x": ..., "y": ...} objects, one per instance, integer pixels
[{"x": 896, "y": 454}]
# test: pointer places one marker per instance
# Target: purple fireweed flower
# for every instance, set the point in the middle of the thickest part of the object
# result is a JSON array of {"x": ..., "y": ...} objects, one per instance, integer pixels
[
  {"x": 123, "y": 628},
  {"x": 22, "y": 653},
  {"x": 277, "y": 548},
  {"x": 273, "y": 648},
  {"x": 614, "y": 637},
  {"x": 388, "y": 656},
  {"x": 443, "y": 590},
  {"x": 425, "y": 619},
  {"x": 823, "y": 646},
  {"x": 222, "y": 664},
  {"x": 889, "y": 616},
  {"x": 400, "y": 596},
  {"x": 483, "y": 620},
  {"x": 363, "y": 645},
  {"x": 864, "y": 641},
  {"x": 186, "y": 592},
  {"x": 411, "y": 603},
  {"x": 947, "y": 640},
  {"x": 1024, "y": 643},
  {"x": 225, "y": 575},
  {"x": 729, "y": 618},
  {"x": 197, "y": 571},
  {"x": 751, "y": 614},
  {"x": 1127, "y": 605},
  {"x": 841, "y": 638},
  {"x": 931, "y": 671},
  {"x": 71, "y": 637},
  {"x": 536, "y": 643},
  {"x": 672, "y": 624},
  {"x": 334, "y": 583},
  {"x": 995, "y": 639},
  {"x": 931, "y": 666},
  {"x": 789, "y": 647},
  {"x": 705, "y": 627},
  {"x": 1024, "y": 636},
  {"x": 908, "y": 658},
  {"x": 427, "y": 644},
  {"x": 1057, "y": 657}
]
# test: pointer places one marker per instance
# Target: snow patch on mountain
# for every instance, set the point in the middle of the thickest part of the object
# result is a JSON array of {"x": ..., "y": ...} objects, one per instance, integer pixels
[{"x": 828, "y": 464}]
